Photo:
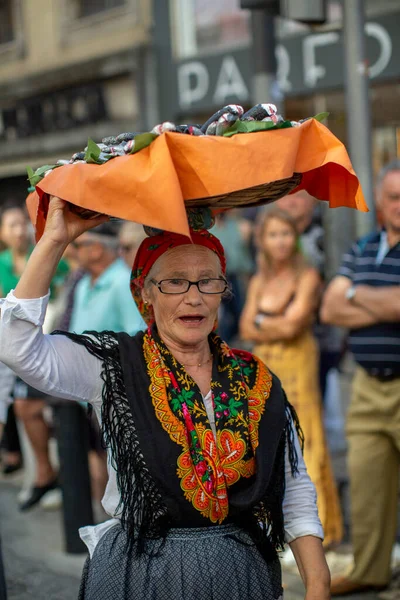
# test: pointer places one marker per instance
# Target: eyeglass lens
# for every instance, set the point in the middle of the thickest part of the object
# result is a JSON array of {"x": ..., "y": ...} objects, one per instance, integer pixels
[{"x": 180, "y": 286}]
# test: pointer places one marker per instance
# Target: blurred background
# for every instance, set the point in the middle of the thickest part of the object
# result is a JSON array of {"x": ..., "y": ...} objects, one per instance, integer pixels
[{"x": 71, "y": 69}]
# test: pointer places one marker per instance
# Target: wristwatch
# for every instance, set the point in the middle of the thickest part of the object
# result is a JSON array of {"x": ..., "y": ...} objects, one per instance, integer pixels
[{"x": 350, "y": 293}]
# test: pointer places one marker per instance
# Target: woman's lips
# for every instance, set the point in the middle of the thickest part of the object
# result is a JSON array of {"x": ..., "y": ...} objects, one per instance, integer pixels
[{"x": 192, "y": 320}]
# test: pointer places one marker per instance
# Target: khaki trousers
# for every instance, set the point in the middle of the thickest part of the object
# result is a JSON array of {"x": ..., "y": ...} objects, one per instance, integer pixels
[{"x": 373, "y": 430}]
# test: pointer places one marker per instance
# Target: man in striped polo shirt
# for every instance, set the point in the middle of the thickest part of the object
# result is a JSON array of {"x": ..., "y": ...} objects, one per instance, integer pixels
[{"x": 365, "y": 297}]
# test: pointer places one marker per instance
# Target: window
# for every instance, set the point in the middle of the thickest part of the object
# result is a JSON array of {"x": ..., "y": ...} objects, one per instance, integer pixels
[
  {"x": 6, "y": 22},
  {"x": 204, "y": 26},
  {"x": 220, "y": 24},
  {"x": 91, "y": 7}
]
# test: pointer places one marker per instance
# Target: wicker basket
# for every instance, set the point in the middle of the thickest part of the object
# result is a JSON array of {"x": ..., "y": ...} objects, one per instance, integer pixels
[{"x": 253, "y": 196}]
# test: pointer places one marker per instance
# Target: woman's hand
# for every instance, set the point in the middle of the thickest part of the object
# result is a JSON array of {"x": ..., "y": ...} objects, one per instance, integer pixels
[{"x": 63, "y": 226}]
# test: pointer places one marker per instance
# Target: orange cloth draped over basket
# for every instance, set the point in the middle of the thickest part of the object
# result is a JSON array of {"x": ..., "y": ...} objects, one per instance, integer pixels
[{"x": 151, "y": 186}]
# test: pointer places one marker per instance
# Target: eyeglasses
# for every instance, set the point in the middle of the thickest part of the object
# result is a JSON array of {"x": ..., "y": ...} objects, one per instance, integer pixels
[{"x": 181, "y": 286}]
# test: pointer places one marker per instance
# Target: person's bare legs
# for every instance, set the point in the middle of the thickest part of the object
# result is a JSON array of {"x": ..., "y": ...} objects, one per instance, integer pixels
[
  {"x": 30, "y": 412},
  {"x": 12, "y": 458}
]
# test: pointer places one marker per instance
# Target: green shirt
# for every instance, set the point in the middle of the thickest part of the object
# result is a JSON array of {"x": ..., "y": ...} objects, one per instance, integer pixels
[{"x": 9, "y": 279}]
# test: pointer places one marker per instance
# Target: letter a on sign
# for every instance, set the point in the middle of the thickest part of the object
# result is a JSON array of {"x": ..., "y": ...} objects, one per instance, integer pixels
[{"x": 230, "y": 82}]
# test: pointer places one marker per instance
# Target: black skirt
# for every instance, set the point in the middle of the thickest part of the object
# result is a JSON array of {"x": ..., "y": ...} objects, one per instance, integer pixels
[{"x": 208, "y": 563}]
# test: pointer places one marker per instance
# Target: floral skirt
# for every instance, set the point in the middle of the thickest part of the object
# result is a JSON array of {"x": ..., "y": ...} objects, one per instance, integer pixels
[{"x": 208, "y": 563}]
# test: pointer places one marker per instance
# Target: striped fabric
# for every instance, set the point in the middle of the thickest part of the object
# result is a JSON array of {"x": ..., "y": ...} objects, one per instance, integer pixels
[{"x": 371, "y": 262}]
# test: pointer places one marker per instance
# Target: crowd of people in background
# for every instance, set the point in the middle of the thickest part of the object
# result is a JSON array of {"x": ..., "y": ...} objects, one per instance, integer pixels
[{"x": 276, "y": 270}]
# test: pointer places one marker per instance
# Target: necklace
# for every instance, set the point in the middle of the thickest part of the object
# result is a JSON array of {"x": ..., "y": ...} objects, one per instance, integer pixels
[{"x": 199, "y": 364}]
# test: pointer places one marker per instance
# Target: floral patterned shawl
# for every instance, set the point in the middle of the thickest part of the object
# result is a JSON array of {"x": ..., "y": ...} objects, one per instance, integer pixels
[{"x": 171, "y": 470}]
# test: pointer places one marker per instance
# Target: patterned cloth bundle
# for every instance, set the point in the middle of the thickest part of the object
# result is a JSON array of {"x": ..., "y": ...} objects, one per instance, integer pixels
[
  {"x": 153, "y": 178},
  {"x": 228, "y": 120}
]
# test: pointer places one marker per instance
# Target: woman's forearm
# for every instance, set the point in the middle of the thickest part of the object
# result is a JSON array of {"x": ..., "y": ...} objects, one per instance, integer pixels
[
  {"x": 249, "y": 333},
  {"x": 284, "y": 328},
  {"x": 311, "y": 562},
  {"x": 40, "y": 269}
]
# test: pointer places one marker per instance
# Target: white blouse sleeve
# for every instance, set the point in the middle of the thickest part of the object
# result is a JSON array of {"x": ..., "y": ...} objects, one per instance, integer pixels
[
  {"x": 53, "y": 364},
  {"x": 300, "y": 502}
]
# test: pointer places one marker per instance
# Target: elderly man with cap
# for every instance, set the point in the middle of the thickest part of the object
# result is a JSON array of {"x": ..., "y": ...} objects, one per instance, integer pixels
[{"x": 102, "y": 300}]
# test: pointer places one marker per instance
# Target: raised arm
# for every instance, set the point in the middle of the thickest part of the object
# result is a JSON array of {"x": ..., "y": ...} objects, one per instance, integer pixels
[{"x": 53, "y": 364}]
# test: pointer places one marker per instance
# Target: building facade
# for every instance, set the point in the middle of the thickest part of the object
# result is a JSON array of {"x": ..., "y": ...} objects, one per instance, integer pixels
[
  {"x": 205, "y": 55},
  {"x": 69, "y": 70},
  {"x": 206, "y": 61}
]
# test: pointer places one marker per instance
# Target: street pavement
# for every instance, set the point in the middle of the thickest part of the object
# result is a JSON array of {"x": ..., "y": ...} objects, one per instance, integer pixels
[{"x": 37, "y": 568}]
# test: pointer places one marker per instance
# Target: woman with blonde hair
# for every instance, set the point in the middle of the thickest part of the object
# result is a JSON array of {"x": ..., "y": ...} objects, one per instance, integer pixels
[{"x": 280, "y": 310}]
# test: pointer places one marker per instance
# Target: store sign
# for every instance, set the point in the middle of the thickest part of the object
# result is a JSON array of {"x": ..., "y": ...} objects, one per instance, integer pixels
[
  {"x": 196, "y": 80},
  {"x": 306, "y": 63},
  {"x": 316, "y": 60},
  {"x": 53, "y": 112}
]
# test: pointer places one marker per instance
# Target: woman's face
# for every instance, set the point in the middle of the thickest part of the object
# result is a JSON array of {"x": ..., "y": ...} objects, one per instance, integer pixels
[
  {"x": 278, "y": 240},
  {"x": 14, "y": 230},
  {"x": 184, "y": 319}
]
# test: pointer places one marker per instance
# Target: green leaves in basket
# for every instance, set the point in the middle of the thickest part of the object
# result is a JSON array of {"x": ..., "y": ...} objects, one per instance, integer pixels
[
  {"x": 252, "y": 126},
  {"x": 321, "y": 116},
  {"x": 142, "y": 141},
  {"x": 92, "y": 154},
  {"x": 31, "y": 174},
  {"x": 35, "y": 177}
]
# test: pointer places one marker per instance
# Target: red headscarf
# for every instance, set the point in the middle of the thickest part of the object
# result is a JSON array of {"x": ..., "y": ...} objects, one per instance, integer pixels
[{"x": 153, "y": 247}]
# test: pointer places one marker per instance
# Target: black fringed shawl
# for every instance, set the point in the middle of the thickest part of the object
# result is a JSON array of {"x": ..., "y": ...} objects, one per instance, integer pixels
[{"x": 145, "y": 453}]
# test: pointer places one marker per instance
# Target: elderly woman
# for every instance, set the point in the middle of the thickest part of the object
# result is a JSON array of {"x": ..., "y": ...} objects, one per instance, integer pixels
[{"x": 206, "y": 477}]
